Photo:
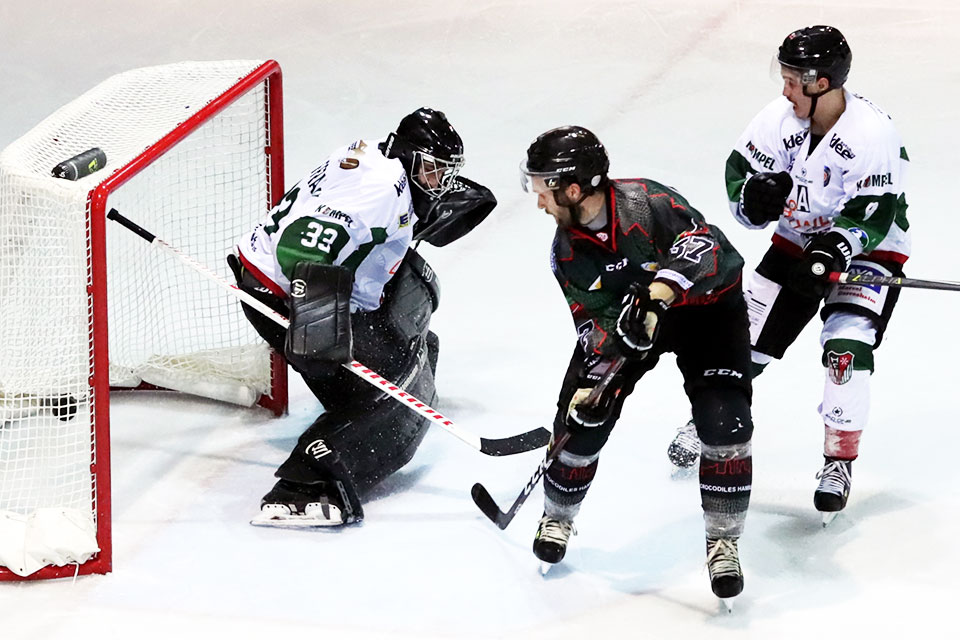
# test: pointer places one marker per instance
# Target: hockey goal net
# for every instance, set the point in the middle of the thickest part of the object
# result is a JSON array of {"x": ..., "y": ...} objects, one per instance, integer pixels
[{"x": 194, "y": 152}]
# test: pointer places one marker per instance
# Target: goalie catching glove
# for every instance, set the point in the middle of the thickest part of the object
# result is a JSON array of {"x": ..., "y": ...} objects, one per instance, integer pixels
[{"x": 319, "y": 333}]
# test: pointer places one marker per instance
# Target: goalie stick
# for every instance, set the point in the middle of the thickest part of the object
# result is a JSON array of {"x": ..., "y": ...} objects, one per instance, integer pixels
[
  {"x": 482, "y": 497},
  {"x": 890, "y": 281},
  {"x": 528, "y": 441}
]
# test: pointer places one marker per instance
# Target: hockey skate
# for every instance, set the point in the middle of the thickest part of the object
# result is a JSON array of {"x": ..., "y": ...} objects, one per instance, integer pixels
[
  {"x": 291, "y": 505},
  {"x": 550, "y": 543},
  {"x": 685, "y": 448},
  {"x": 831, "y": 495},
  {"x": 723, "y": 563}
]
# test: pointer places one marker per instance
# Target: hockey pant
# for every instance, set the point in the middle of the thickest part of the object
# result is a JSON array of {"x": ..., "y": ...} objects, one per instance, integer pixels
[
  {"x": 364, "y": 436},
  {"x": 715, "y": 368},
  {"x": 854, "y": 320}
]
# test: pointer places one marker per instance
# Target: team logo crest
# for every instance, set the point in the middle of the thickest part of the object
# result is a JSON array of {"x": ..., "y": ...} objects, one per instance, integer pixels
[
  {"x": 839, "y": 366},
  {"x": 826, "y": 176}
]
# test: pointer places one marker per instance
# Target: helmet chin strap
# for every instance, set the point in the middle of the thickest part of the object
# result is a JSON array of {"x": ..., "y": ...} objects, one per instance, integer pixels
[
  {"x": 813, "y": 101},
  {"x": 573, "y": 207}
]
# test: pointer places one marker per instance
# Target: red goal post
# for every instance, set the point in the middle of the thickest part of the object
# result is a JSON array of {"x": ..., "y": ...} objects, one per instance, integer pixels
[{"x": 195, "y": 149}]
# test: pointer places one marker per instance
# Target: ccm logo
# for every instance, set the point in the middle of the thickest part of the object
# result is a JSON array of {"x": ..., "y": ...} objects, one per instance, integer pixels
[{"x": 722, "y": 372}]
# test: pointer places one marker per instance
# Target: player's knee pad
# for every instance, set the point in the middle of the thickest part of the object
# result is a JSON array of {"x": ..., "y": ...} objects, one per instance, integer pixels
[
  {"x": 846, "y": 390},
  {"x": 722, "y": 415}
]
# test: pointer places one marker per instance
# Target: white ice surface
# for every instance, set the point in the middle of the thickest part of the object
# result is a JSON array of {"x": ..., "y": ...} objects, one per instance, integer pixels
[{"x": 667, "y": 86}]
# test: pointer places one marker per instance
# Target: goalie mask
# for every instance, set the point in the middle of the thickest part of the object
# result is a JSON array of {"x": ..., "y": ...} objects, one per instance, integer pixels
[{"x": 429, "y": 148}]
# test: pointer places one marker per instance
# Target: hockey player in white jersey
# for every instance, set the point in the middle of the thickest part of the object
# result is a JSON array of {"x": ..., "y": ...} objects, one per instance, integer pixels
[
  {"x": 827, "y": 167},
  {"x": 335, "y": 255}
]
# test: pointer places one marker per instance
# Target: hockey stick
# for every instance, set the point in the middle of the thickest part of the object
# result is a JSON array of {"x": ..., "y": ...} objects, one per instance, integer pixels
[
  {"x": 482, "y": 497},
  {"x": 519, "y": 443},
  {"x": 890, "y": 281}
]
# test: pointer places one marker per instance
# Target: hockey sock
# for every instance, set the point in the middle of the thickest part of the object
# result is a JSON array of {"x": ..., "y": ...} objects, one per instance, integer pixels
[
  {"x": 566, "y": 483},
  {"x": 844, "y": 445},
  {"x": 726, "y": 475}
]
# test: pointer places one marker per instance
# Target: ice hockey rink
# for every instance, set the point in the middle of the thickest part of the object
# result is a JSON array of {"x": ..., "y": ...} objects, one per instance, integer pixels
[{"x": 667, "y": 86}]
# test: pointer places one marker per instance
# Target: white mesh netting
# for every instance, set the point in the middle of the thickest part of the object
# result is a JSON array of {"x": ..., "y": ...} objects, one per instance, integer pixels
[{"x": 167, "y": 325}]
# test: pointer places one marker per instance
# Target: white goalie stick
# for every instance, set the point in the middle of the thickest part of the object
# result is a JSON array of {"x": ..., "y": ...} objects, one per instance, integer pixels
[
  {"x": 482, "y": 497},
  {"x": 519, "y": 443}
]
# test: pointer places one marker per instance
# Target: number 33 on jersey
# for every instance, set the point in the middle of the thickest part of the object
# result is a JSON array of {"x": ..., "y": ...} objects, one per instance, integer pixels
[{"x": 353, "y": 210}]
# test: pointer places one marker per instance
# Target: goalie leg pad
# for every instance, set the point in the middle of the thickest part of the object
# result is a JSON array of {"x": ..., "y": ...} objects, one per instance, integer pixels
[
  {"x": 319, "y": 332},
  {"x": 362, "y": 443}
]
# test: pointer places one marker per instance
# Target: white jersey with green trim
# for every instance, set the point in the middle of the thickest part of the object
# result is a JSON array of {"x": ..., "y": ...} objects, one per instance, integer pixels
[
  {"x": 853, "y": 179},
  {"x": 353, "y": 210}
]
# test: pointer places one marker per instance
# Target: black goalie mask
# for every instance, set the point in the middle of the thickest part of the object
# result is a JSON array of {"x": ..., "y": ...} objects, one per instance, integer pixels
[{"x": 430, "y": 149}]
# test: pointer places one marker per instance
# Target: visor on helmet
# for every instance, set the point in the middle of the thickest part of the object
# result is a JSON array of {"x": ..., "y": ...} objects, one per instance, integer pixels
[
  {"x": 549, "y": 180},
  {"x": 781, "y": 73}
]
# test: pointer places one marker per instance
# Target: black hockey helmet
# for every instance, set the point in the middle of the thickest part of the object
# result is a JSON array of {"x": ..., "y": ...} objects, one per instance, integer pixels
[
  {"x": 563, "y": 156},
  {"x": 817, "y": 52},
  {"x": 429, "y": 148}
]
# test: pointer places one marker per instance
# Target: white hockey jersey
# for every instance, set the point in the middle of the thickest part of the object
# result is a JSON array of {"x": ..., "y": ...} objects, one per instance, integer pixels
[
  {"x": 853, "y": 180},
  {"x": 354, "y": 210}
]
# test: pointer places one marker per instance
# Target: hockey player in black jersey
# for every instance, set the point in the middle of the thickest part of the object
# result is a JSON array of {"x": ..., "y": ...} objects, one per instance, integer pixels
[{"x": 643, "y": 274}]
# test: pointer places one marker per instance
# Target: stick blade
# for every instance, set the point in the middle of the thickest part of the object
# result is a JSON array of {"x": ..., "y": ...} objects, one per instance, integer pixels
[
  {"x": 483, "y": 500},
  {"x": 520, "y": 443}
]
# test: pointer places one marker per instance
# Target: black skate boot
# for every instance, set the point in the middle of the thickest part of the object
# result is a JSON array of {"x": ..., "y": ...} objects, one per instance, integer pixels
[
  {"x": 685, "y": 448},
  {"x": 550, "y": 543},
  {"x": 831, "y": 495},
  {"x": 723, "y": 563}
]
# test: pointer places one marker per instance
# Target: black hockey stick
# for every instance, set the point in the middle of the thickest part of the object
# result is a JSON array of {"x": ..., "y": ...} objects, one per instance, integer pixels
[
  {"x": 891, "y": 281},
  {"x": 528, "y": 441},
  {"x": 482, "y": 497}
]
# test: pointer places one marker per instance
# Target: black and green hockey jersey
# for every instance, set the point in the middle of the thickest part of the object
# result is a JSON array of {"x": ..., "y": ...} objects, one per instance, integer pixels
[{"x": 652, "y": 233}]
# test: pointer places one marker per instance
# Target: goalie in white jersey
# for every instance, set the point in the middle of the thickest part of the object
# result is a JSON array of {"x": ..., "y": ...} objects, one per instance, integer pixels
[
  {"x": 335, "y": 255},
  {"x": 828, "y": 168}
]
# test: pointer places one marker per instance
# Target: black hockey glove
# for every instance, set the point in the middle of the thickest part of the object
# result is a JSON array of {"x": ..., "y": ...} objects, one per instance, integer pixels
[
  {"x": 639, "y": 323},
  {"x": 764, "y": 196},
  {"x": 582, "y": 414},
  {"x": 825, "y": 253}
]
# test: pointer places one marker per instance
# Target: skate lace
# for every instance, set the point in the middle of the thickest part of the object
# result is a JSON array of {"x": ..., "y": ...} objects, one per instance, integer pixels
[
  {"x": 834, "y": 477},
  {"x": 687, "y": 437},
  {"x": 722, "y": 557},
  {"x": 552, "y": 530}
]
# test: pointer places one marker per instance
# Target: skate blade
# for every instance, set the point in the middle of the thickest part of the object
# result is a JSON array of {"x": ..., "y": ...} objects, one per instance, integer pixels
[
  {"x": 727, "y": 604},
  {"x": 545, "y": 567},
  {"x": 828, "y": 517},
  {"x": 293, "y": 521}
]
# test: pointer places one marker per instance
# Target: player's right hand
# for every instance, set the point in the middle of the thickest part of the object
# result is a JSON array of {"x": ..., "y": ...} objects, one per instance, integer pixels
[{"x": 764, "y": 196}]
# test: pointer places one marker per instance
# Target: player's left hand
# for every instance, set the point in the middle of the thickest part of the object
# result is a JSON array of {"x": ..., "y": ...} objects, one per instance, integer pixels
[
  {"x": 822, "y": 255},
  {"x": 639, "y": 323}
]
